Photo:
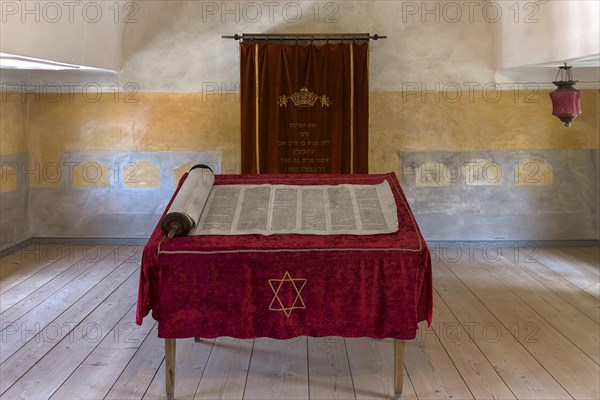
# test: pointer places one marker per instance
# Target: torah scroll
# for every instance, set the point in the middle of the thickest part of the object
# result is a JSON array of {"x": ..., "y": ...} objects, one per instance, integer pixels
[
  {"x": 344, "y": 209},
  {"x": 186, "y": 209}
]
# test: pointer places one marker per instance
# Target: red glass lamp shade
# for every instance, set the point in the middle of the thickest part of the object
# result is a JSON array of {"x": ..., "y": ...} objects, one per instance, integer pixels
[
  {"x": 566, "y": 100},
  {"x": 566, "y": 103}
]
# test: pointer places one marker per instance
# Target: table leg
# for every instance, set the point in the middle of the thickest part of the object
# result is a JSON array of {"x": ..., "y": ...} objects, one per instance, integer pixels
[
  {"x": 170, "y": 368},
  {"x": 398, "y": 368}
]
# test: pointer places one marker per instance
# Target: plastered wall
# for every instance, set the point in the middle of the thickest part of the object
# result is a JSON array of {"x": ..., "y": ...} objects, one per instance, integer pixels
[
  {"x": 427, "y": 43},
  {"x": 14, "y": 155},
  {"x": 472, "y": 170},
  {"x": 85, "y": 33},
  {"x": 568, "y": 29},
  {"x": 476, "y": 162}
]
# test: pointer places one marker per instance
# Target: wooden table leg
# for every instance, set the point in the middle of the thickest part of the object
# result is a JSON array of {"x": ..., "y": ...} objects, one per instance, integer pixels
[
  {"x": 170, "y": 368},
  {"x": 398, "y": 367}
]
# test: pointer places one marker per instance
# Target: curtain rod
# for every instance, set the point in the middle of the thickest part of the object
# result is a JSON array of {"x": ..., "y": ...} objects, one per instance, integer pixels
[{"x": 304, "y": 36}]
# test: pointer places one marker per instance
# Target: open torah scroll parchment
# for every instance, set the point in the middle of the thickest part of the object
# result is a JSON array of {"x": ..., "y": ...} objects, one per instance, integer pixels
[{"x": 287, "y": 209}]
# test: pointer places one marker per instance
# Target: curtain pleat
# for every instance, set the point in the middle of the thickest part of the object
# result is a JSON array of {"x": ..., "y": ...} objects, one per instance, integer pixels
[{"x": 304, "y": 108}]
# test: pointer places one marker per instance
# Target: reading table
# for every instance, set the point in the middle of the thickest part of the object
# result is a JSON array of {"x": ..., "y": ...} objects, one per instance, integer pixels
[{"x": 284, "y": 286}]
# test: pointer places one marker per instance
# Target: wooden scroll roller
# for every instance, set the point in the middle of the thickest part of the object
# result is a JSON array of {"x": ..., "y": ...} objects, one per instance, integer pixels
[{"x": 185, "y": 211}]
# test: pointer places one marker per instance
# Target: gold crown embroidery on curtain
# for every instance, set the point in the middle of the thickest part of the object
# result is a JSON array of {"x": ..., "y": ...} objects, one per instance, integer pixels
[{"x": 304, "y": 98}]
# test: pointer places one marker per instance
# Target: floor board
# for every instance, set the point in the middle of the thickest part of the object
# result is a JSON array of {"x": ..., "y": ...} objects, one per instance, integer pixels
[
  {"x": 550, "y": 348},
  {"x": 191, "y": 363},
  {"x": 372, "y": 367},
  {"x": 483, "y": 380},
  {"x": 48, "y": 310},
  {"x": 524, "y": 375},
  {"x": 15, "y": 308},
  {"x": 589, "y": 254},
  {"x": 580, "y": 277},
  {"x": 431, "y": 370},
  {"x": 523, "y": 325},
  {"x": 329, "y": 369},
  {"x": 560, "y": 286},
  {"x": 226, "y": 371},
  {"x": 135, "y": 379},
  {"x": 580, "y": 257},
  {"x": 97, "y": 374},
  {"x": 278, "y": 369},
  {"x": 566, "y": 319},
  {"x": 47, "y": 262},
  {"x": 55, "y": 367},
  {"x": 34, "y": 345}
]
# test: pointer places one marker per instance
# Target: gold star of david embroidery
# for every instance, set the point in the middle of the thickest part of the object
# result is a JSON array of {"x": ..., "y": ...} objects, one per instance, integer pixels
[{"x": 297, "y": 286}]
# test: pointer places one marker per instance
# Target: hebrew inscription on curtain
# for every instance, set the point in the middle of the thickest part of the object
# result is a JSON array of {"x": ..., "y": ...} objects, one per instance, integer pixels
[{"x": 304, "y": 108}]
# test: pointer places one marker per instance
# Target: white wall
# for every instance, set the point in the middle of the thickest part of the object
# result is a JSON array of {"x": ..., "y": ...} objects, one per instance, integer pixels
[
  {"x": 543, "y": 31},
  {"x": 84, "y": 33},
  {"x": 177, "y": 45}
]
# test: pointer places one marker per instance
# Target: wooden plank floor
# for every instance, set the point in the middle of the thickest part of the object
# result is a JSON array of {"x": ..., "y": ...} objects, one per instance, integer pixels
[{"x": 508, "y": 324}]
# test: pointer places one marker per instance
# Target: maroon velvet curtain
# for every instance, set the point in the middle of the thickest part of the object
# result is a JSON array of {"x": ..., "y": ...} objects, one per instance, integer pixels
[{"x": 304, "y": 108}]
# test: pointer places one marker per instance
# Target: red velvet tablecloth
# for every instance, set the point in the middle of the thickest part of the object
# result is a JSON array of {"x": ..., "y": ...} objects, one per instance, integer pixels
[{"x": 283, "y": 286}]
